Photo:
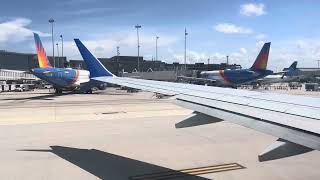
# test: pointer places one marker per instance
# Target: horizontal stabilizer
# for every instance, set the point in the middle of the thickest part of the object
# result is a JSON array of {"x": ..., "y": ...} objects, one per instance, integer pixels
[
  {"x": 281, "y": 149},
  {"x": 197, "y": 120}
]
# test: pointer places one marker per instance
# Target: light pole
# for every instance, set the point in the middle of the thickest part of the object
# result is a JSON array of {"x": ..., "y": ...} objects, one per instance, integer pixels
[
  {"x": 61, "y": 45},
  {"x": 58, "y": 54},
  {"x": 62, "y": 51},
  {"x": 157, "y": 37},
  {"x": 137, "y": 27},
  {"x": 318, "y": 63},
  {"x": 51, "y": 21},
  {"x": 185, "y": 48},
  {"x": 118, "y": 65}
]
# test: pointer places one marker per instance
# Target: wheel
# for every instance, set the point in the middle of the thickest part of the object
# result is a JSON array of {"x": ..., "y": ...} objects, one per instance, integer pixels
[{"x": 58, "y": 91}]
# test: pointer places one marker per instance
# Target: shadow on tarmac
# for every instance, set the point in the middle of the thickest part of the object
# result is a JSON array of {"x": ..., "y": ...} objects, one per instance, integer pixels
[{"x": 105, "y": 165}]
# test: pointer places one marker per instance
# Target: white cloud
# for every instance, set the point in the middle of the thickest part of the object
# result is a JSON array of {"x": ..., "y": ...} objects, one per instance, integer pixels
[
  {"x": 16, "y": 30},
  {"x": 252, "y": 9},
  {"x": 105, "y": 45},
  {"x": 129, "y": 39},
  {"x": 192, "y": 57},
  {"x": 259, "y": 43},
  {"x": 282, "y": 54},
  {"x": 243, "y": 50},
  {"x": 232, "y": 29},
  {"x": 215, "y": 57},
  {"x": 260, "y": 36}
]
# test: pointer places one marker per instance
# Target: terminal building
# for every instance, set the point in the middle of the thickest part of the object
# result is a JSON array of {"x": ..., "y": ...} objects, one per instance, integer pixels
[
  {"x": 129, "y": 64},
  {"x": 119, "y": 65},
  {"x": 25, "y": 61}
]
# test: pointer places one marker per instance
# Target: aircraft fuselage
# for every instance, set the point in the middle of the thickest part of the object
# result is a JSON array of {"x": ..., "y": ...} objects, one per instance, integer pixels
[
  {"x": 64, "y": 78},
  {"x": 235, "y": 77}
]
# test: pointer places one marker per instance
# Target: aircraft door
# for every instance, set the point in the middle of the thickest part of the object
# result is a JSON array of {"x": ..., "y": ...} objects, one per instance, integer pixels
[{"x": 60, "y": 74}]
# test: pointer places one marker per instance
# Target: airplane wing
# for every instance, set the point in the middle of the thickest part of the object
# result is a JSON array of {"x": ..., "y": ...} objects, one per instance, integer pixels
[{"x": 295, "y": 120}]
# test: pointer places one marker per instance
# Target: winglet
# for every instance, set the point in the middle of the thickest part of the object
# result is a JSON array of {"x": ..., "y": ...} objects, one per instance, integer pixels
[
  {"x": 95, "y": 67},
  {"x": 42, "y": 57},
  {"x": 262, "y": 59}
]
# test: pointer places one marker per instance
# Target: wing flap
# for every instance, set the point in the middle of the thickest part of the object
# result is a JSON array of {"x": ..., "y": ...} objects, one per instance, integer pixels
[
  {"x": 288, "y": 133},
  {"x": 293, "y": 121}
]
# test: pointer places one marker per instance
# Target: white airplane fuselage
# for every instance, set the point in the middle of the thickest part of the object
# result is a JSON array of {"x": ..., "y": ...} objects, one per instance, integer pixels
[{"x": 277, "y": 78}]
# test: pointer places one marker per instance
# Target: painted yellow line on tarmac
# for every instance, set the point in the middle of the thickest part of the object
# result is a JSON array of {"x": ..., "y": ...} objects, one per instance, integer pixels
[{"x": 188, "y": 172}]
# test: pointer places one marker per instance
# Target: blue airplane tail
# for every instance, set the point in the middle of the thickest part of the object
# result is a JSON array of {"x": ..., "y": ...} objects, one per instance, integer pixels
[
  {"x": 95, "y": 67},
  {"x": 292, "y": 70},
  {"x": 293, "y": 66}
]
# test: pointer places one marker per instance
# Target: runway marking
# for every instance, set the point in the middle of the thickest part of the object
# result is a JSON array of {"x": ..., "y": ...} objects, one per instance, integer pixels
[
  {"x": 75, "y": 104},
  {"x": 189, "y": 172},
  {"x": 113, "y": 112}
]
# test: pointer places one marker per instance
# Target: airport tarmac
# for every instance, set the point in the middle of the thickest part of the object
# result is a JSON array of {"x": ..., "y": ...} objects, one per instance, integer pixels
[{"x": 118, "y": 135}]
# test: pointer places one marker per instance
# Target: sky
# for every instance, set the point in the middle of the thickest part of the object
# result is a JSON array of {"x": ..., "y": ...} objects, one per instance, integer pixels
[{"x": 216, "y": 28}]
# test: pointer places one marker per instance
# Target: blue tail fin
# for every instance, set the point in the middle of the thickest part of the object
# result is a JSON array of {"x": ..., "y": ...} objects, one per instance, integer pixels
[
  {"x": 95, "y": 67},
  {"x": 292, "y": 70},
  {"x": 293, "y": 66}
]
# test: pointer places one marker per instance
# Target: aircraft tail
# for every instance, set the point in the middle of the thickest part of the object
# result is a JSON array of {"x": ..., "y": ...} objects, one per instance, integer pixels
[
  {"x": 293, "y": 66},
  {"x": 262, "y": 59},
  {"x": 95, "y": 67},
  {"x": 292, "y": 70},
  {"x": 42, "y": 57}
]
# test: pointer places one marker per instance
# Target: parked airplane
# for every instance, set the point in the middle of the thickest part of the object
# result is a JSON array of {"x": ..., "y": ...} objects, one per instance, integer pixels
[
  {"x": 284, "y": 76},
  {"x": 295, "y": 120},
  {"x": 233, "y": 77},
  {"x": 62, "y": 78}
]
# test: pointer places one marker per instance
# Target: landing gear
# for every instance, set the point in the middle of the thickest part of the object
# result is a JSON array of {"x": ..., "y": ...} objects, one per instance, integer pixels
[
  {"x": 89, "y": 91},
  {"x": 58, "y": 91}
]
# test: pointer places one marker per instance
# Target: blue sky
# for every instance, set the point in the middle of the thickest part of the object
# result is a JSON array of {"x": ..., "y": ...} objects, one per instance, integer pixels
[{"x": 216, "y": 28}]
